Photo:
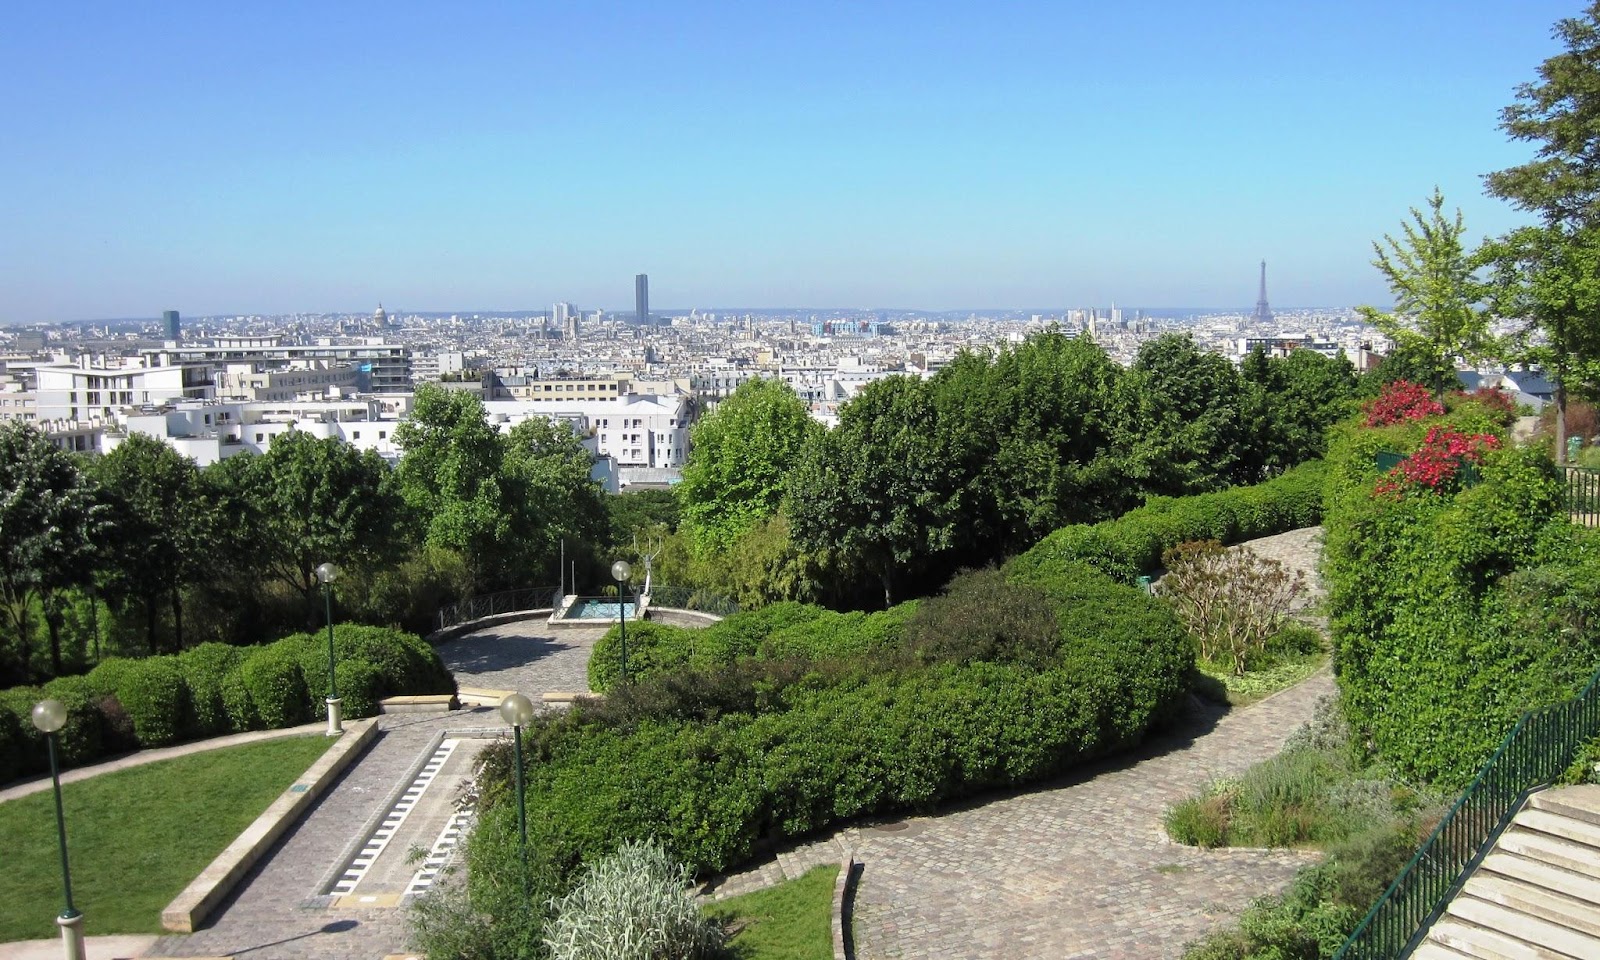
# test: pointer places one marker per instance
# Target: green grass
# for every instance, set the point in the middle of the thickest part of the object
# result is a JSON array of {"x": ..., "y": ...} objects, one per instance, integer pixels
[
  {"x": 137, "y": 837},
  {"x": 791, "y": 921}
]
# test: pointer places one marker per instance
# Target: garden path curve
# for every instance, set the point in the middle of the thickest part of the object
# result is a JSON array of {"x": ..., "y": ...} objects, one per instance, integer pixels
[{"x": 1081, "y": 868}]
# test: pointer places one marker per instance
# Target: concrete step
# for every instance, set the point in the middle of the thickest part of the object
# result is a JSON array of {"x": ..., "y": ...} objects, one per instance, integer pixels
[
  {"x": 1481, "y": 944},
  {"x": 1437, "y": 951},
  {"x": 1535, "y": 902},
  {"x": 1551, "y": 850},
  {"x": 1561, "y": 825},
  {"x": 1577, "y": 886},
  {"x": 1520, "y": 926},
  {"x": 1579, "y": 803}
]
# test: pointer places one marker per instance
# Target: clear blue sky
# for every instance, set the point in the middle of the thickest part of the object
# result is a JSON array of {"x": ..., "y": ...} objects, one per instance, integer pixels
[{"x": 270, "y": 157}]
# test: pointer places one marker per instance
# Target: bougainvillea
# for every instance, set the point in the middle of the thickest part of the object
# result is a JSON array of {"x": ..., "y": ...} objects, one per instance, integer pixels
[
  {"x": 1438, "y": 463},
  {"x": 1498, "y": 402},
  {"x": 1401, "y": 402}
]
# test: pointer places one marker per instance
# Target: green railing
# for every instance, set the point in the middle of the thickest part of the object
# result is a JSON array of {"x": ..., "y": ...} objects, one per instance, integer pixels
[
  {"x": 1542, "y": 745},
  {"x": 684, "y": 598},
  {"x": 1583, "y": 495}
]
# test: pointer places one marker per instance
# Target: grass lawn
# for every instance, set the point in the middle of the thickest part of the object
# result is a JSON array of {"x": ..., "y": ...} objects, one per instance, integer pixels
[
  {"x": 791, "y": 921},
  {"x": 138, "y": 836}
]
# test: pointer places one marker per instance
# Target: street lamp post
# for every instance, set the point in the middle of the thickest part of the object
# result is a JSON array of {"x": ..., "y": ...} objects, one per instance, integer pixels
[
  {"x": 327, "y": 573},
  {"x": 49, "y": 716},
  {"x": 517, "y": 710},
  {"x": 621, "y": 571}
]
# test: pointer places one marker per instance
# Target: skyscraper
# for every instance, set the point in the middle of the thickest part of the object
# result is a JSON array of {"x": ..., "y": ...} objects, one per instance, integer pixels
[
  {"x": 1263, "y": 312},
  {"x": 641, "y": 299},
  {"x": 170, "y": 324}
]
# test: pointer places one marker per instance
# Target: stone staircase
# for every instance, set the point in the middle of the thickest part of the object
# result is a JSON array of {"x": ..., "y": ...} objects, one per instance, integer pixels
[{"x": 1536, "y": 896}]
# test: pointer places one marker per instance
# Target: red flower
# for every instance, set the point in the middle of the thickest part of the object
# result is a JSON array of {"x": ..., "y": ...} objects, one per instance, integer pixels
[{"x": 1401, "y": 402}]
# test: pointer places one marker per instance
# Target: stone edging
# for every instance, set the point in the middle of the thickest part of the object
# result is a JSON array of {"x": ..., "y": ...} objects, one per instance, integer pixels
[
  {"x": 493, "y": 620},
  {"x": 841, "y": 890},
  {"x": 216, "y": 881}
]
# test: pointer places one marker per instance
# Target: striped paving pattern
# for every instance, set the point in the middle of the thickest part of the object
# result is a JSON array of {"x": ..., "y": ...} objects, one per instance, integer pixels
[
  {"x": 443, "y": 849},
  {"x": 352, "y": 876}
]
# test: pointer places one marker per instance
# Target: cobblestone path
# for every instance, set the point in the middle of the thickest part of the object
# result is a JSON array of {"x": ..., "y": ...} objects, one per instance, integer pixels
[
  {"x": 1078, "y": 869},
  {"x": 279, "y": 912}
]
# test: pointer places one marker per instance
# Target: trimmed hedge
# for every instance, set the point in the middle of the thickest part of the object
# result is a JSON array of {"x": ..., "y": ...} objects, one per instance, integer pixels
[
  {"x": 125, "y": 704},
  {"x": 836, "y": 745},
  {"x": 783, "y": 630},
  {"x": 1132, "y": 544}
]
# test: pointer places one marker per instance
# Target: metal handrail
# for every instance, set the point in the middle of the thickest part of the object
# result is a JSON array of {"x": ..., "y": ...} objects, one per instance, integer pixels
[
  {"x": 1582, "y": 487},
  {"x": 492, "y": 604},
  {"x": 1542, "y": 744}
]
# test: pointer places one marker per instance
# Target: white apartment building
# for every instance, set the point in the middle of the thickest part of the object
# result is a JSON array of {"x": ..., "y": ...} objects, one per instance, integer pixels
[
  {"x": 93, "y": 394},
  {"x": 300, "y": 380}
]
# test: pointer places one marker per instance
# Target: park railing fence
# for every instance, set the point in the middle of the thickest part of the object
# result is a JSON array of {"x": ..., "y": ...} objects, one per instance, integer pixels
[
  {"x": 1583, "y": 495},
  {"x": 686, "y": 598},
  {"x": 494, "y": 604},
  {"x": 1542, "y": 745}
]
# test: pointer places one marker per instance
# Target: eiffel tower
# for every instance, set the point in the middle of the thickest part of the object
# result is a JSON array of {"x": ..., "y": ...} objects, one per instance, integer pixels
[{"x": 1263, "y": 312}]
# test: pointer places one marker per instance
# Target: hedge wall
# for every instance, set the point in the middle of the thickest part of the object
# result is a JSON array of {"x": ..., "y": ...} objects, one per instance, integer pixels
[
  {"x": 1132, "y": 544},
  {"x": 1451, "y": 613},
  {"x": 897, "y": 734},
  {"x": 782, "y": 630},
  {"x": 126, "y": 704}
]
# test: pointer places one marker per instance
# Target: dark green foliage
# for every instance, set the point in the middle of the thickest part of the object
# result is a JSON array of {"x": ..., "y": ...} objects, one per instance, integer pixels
[
  {"x": 205, "y": 669},
  {"x": 1133, "y": 544},
  {"x": 277, "y": 688},
  {"x": 79, "y": 742},
  {"x": 1179, "y": 418},
  {"x": 400, "y": 664},
  {"x": 83, "y": 739},
  {"x": 630, "y": 513},
  {"x": 1451, "y": 614},
  {"x": 983, "y": 617},
  {"x": 14, "y": 757},
  {"x": 153, "y": 693}
]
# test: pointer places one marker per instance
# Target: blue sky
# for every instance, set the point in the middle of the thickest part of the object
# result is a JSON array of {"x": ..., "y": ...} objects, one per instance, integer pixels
[{"x": 222, "y": 157}]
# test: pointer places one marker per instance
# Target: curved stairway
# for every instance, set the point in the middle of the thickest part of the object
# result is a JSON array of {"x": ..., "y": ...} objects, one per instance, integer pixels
[{"x": 1536, "y": 896}]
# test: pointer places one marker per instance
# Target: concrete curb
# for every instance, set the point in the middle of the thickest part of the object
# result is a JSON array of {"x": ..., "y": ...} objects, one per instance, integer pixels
[
  {"x": 841, "y": 892},
  {"x": 216, "y": 881},
  {"x": 493, "y": 620}
]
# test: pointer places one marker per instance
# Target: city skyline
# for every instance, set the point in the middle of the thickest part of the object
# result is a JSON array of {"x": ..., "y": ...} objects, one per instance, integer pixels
[{"x": 933, "y": 158}]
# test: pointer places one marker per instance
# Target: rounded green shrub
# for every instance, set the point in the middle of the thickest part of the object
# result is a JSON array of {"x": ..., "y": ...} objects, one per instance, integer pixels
[
  {"x": 83, "y": 738},
  {"x": 156, "y": 698},
  {"x": 652, "y": 648},
  {"x": 13, "y": 746},
  {"x": 277, "y": 689},
  {"x": 236, "y": 700},
  {"x": 205, "y": 668}
]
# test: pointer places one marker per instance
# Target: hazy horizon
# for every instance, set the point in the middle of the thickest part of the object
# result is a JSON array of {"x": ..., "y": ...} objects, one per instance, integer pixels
[{"x": 198, "y": 155}]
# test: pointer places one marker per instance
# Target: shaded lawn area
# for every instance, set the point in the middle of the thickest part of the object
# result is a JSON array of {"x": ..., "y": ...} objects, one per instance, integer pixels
[
  {"x": 137, "y": 837},
  {"x": 791, "y": 921}
]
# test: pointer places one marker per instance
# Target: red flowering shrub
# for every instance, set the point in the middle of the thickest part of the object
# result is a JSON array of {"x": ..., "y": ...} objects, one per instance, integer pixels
[
  {"x": 1437, "y": 464},
  {"x": 1400, "y": 402}
]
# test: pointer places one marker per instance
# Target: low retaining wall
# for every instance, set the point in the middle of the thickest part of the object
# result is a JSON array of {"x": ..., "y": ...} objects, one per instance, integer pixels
[
  {"x": 515, "y": 616},
  {"x": 683, "y": 618},
  {"x": 200, "y": 897}
]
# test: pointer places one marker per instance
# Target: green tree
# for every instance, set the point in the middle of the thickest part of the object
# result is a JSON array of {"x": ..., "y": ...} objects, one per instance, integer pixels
[
  {"x": 640, "y": 510},
  {"x": 1550, "y": 277},
  {"x": 873, "y": 491},
  {"x": 551, "y": 470},
  {"x": 164, "y": 527},
  {"x": 453, "y": 476},
  {"x": 315, "y": 501},
  {"x": 739, "y": 458},
  {"x": 1179, "y": 421},
  {"x": 1292, "y": 402},
  {"x": 1545, "y": 275},
  {"x": 1437, "y": 291},
  {"x": 49, "y": 519}
]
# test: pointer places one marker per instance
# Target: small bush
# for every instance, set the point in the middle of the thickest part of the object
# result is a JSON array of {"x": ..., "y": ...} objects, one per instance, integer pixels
[
  {"x": 632, "y": 905},
  {"x": 1231, "y": 601},
  {"x": 361, "y": 686},
  {"x": 157, "y": 700},
  {"x": 206, "y": 668},
  {"x": 982, "y": 616},
  {"x": 1199, "y": 821},
  {"x": 277, "y": 689},
  {"x": 83, "y": 739},
  {"x": 13, "y": 746}
]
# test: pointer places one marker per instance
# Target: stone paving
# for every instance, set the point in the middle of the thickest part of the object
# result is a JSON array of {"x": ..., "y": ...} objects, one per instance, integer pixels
[{"x": 279, "y": 912}]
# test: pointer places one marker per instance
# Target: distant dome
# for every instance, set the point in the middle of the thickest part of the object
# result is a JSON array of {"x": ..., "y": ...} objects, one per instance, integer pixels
[{"x": 379, "y": 316}]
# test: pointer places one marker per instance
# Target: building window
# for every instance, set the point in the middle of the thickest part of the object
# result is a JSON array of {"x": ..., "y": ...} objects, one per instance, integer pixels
[{"x": 355, "y": 435}]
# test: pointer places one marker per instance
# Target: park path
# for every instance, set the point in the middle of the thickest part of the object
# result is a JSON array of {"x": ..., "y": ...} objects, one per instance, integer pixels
[
  {"x": 1081, "y": 868},
  {"x": 281, "y": 911}
]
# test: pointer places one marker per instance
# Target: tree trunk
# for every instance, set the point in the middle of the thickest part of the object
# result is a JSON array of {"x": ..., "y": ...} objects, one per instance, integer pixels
[
  {"x": 52, "y": 620},
  {"x": 1561, "y": 421},
  {"x": 888, "y": 586},
  {"x": 150, "y": 625},
  {"x": 177, "y": 620}
]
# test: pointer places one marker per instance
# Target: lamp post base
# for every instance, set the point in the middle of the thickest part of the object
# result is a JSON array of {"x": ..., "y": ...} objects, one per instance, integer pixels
[
  {"x": 335, "y": 717},
  {"x": 72, "y": 936}
]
